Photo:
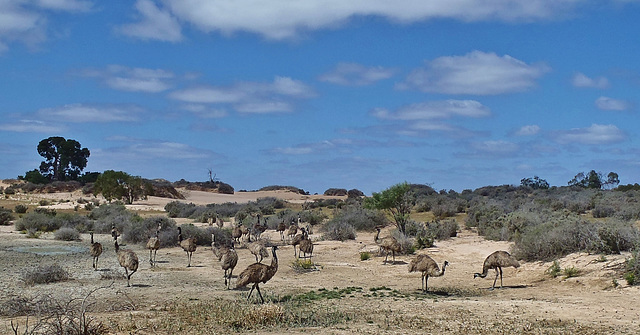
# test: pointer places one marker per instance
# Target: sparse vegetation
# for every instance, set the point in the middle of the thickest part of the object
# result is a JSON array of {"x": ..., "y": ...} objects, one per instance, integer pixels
[
  {"x": 45, "y": 274},
  {"x": 67, "y": 234}
]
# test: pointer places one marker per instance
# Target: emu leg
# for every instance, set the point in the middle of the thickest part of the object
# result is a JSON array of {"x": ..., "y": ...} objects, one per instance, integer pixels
[
  {"x": 500, "y": 277},
  {"x": 127, "y": 274},
  {"x": 494, "y": 281},
  {"x": 252, "y": 287},
  {"x": 260, "y": 294}
]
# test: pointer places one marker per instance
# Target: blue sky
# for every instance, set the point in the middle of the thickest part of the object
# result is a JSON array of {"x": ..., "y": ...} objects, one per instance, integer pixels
[{"x": 457, "y": 94}]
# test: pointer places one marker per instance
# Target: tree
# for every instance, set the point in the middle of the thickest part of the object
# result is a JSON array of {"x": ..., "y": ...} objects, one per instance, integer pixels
[
  {"x": 122, "y": 186},
  {"x": 396, "y": 200},
  {"x": 34, "y": 176},
  {"x": 64, "y": 159},
  {"x": 594, "y": 180},
  {"x": 535, "y": 183}
]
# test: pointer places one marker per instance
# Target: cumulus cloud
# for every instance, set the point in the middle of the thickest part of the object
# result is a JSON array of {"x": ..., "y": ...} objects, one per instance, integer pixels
[
  {"x": 66, "y": 5},
  {"x": 435, "y": 110},
  {"x": 133, "y": 79},
  {"x": 83, "y": 113},
  {"x": 352, "y": 74},
  {"x": 593, "y": 135},
  {"x": 477, "y": 73},
  {"x": 609, "y": 104},
  {"x": 249, "y": 97},
  {"x": 581, "y": 80},
  {"x": 528, "y": 130},
  {"x": 154, "y": 24},
  {"x": 283, "y": 19}
]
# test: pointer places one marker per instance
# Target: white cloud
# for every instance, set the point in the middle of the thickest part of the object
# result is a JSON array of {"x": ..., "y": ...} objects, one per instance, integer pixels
[
  {"x": 581, "y": 80},
  {"x": 476, "y": 73},
  {"x": 204, "y": 111},
  {"x": 81, "y": 113},
  {"x": 606, "y": 103},
  {"x": 435, "y": 110},
  {"x": 284, "y": 19},
  {"x": 528, "y": 130},
  {"x": 66, "y": 5},
  {"x": 155, "y": 24},
  {"x": 26, "y": 21},
  {"x": 249, "y": 97},
  {"x": 31, "y": 126},
  {"x": 593, "y": 135},
  {"x": 351, "y": 74},
  {"x": 495, "y": 147},
  {"x": 132, "y": 79}
]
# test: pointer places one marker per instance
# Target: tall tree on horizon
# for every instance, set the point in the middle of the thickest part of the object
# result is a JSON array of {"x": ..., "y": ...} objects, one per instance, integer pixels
[{"x": 64, "y": 159}]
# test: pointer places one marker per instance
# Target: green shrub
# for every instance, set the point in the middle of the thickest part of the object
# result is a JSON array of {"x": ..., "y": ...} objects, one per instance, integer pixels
[
  {"x": 45, "y": 274},
  {"x": 364, "y": 255},
  {"x": 338, "y": 231},
  {"x": 5, "y": 216},
  {"x": 632, "y": 265},
  {"x": 37, "y": 221},
  {"x": 554, "y": 270},
  {"x": 571, "y": 272},
  {"x": 67, "y": 234},
  {"x": 20, "y": 209}
]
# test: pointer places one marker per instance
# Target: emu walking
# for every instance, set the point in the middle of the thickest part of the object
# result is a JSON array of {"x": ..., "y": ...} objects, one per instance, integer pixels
[
  {"x": 306, "y": 246},
  {"x": 188, "y": 245},
  {"x": 428, "y": 267},
  {"x": 153, "y": 245},
  {"x": 387, "y": 244},
  {"x": 128, "y": 260},
  {"x": 96, "y": 251},
  {"x": 257, "y": 273},
  {"x": 497, "y": 261}
]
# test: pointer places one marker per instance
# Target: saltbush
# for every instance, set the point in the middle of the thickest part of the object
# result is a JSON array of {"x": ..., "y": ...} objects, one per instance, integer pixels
[
  {"x": 336, "y": 230},
  {"x": 37, "y": 221},
  {"x": 45, "y": 274},
  {"x": 67, "y": 234},
  {"x": 5, "y": 216}
]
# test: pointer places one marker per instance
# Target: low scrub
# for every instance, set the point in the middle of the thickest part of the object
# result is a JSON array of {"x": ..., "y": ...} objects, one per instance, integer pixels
[
  {"x": 45, "y": 274},
  {"x": 67, "y": 234}
]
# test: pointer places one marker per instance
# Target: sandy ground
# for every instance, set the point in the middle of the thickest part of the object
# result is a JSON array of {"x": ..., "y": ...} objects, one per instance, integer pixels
[{"x": 530, "y": 300}]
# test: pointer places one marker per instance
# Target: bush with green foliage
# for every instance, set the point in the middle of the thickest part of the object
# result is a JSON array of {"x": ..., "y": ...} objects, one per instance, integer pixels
[
  {"x": 5, "y": 216},
  {"x": 20, "y": 209},
  {"x": 360, "y": 218},
  {"x": 113, "y": 214},
  {"x": 37, "y": 221},
  {"x": 67, "y": 234},
  {"x": 336, "y": 230}
]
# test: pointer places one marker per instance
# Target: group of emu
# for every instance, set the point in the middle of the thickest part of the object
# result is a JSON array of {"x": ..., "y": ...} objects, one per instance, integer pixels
[{"x": 261, "y": 273}]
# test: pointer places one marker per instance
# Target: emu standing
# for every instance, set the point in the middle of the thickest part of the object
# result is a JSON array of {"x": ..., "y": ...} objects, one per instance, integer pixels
[
  {"x": 497, "y": 261},
  {"x": 153, "y": 245},
  {"x": 258, "y": 249},
  {"x": 229, "y": 258},
  {"x": 387, "y": 244},
  {"x": 296, "y": 241},
  {"x": 96, "y": 251},
  {"x": 188, "y": 245},
  {"x": 128, "y": 260},
  {"x": 257, "y": 273},
  {"x": 428, "y": 267},
  {"x": 306, "y": 246},
  {"x": 293, "y": 230},
  {"x": 281, "y": 228}
]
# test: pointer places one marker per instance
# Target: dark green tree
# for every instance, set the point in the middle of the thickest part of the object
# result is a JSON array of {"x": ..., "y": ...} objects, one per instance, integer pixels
[
  {"x": 34, "y": 176},
  {"x": 64, "y": 159},
  {"x": 118, "y": 185},
  {"x": 594, "y": 180},
  {"x": 535, "y": 183},
  {"x": 396, "y": 200}
]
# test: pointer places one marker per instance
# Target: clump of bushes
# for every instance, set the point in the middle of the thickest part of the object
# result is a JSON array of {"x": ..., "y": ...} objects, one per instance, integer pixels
[
  {"x": 45, "y": 274},
  {"x": 5, "y": 216},
  {"x": 339, "y": 231},
  {"x": 67, "y": 234},
  {"x": 20, "y": 209}
]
